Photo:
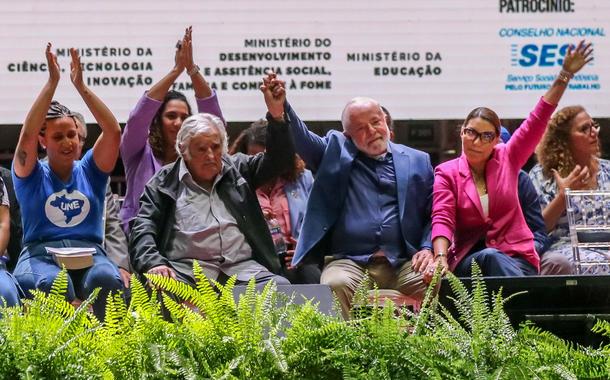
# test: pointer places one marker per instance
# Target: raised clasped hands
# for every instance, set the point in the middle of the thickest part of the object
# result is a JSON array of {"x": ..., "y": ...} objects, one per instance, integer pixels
[
  {"x": 183, "y": 49},
  {"x": 274, "y": 91},
  {"x": 577, "y": 57},
  {"x": 187, "y": 46}
]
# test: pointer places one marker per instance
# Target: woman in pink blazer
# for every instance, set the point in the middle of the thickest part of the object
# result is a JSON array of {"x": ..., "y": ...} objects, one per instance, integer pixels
[{"x": 476, "y": 213}]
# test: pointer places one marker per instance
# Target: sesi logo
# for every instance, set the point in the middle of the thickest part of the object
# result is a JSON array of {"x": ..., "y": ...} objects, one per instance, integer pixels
[{"x": 544, "y": 55}]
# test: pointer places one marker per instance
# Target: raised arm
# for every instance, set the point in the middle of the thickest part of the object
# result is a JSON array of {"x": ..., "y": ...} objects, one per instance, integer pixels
[
  {"x": 27, "y": 147},
  {"x": 135, "y": 134},
  {"x": 106, "y": 148},
  {"x": 308, "y": 145},
  {"x": 201, "y": 87},
  {"x": 160, "y": 89},
  {"x": 279, "y": 155},
  {"x": 207, "y": 101},
  {"x": 527, "y": 136},
  {"x": 574, "y": 60}
]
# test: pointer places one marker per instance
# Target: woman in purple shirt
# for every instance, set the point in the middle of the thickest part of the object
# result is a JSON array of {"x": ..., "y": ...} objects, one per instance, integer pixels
[{"x": 149, "y": 138}]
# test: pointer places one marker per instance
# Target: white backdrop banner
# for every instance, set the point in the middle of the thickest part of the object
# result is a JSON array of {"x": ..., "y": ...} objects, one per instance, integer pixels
[{"x": 432, "y": 59}]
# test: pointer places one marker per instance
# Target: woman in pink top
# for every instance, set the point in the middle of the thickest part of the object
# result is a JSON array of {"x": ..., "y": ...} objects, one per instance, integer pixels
[
  {"x": 148, "y": 141},
  {"x": 283, "y": 199},
  {"x": 476, "y": 214}
]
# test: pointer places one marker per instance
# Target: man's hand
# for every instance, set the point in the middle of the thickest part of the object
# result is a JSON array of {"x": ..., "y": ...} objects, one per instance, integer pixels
[
  {"x": 163, "y": 270},
  {"x": 421, "y": 260},
  {"x": 275, "y": 95},
  {"x": 125, "y": 276}
]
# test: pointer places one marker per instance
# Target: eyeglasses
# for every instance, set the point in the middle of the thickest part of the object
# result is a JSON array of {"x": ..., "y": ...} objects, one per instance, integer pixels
[
  {"x": 473, "y": 135},
  {"x": 592, "y": 126}
]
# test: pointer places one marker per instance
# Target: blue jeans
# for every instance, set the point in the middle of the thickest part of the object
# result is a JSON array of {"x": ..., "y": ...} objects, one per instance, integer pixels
[
  {"x": 36, "y": 269},
  {"x": 9, "y": 293},
  {"x": 494, "y": 263}
]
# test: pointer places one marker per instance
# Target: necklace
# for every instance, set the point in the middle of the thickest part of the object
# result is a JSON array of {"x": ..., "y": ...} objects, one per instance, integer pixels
[{"x": 479, "y": 182}]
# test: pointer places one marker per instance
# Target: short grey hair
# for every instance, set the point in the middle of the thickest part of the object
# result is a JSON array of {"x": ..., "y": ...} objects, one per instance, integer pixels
[
  {"x": 345, "y": 115},
  {"x": 195, "y": 125}
]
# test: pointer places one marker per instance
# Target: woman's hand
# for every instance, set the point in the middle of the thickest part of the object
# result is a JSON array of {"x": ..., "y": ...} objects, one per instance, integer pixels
[
  {"x": 578, "y": 179},
  {"x": 432, "y": 268},
  {"x": 187, "y": 46},
  {"x": 181, "y": 55},
  {"x": 576, "y": 58},
  {"x": 52, "y": 65},
  {"x": 76, "y": 69},
  {"x": 291, "y": 243}
]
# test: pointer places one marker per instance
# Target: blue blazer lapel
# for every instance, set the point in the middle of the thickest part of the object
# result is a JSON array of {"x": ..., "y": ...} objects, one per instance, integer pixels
[
  {"x": 327, "y": 195},
  {"x": 402, "y": 169}
]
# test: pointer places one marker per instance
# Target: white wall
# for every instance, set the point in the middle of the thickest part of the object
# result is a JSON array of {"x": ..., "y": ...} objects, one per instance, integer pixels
[{"x": 456, "y": 54}]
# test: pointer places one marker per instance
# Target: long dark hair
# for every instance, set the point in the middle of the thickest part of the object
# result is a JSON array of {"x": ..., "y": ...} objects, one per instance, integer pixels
[
  {"x": 155, "y": 137},
  {"x": 486, "y": 114},
  {"x": 257, "y": 134}
]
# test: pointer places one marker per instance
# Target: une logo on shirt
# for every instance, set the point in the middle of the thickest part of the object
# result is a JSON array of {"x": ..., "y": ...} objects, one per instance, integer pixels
[{"x": 67, "y": 209}]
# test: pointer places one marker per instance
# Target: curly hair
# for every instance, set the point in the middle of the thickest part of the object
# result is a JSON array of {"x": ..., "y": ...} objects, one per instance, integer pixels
[
  {"x": 256, "y": 133},
  {"x": 554, "y": 151},
  {"x": 155, "y": 136}
]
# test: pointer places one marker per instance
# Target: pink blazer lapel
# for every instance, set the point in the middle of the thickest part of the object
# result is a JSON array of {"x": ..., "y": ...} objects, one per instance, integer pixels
[
  {"x": 468, "y": 185},
  {"x": 492, "y": 179}
]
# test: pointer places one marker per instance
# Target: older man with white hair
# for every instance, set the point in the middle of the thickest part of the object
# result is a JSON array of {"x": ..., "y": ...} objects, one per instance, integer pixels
[
  {"x": 203, "y": 207},
  {"x": 370, "y": 205}
]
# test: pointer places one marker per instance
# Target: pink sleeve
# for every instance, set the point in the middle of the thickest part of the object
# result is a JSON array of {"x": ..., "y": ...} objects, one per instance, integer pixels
[
  {"x": 523, "y": 142},
  {"x": 135, "y": 133},
  {"x": 264, "y": 201},
  {"x": 443, "y": 205}
]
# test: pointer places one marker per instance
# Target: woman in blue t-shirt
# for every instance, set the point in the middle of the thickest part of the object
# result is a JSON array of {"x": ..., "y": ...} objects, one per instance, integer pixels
[{"x": 62, "y": 199}]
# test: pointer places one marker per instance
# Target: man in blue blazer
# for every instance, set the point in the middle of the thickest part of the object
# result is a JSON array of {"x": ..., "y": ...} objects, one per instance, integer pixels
[{"x": 369, "y": 208}]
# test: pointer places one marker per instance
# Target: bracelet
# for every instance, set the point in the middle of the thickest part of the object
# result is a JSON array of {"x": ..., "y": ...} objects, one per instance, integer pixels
[
  {"x": 440, "y": 254},
  {"x": 565, "y": 76},
  {"x": 194, "y": 70}
]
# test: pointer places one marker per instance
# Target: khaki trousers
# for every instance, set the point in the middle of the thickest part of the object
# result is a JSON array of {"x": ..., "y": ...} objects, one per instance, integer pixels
[{"x": 344, "y": 276}]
